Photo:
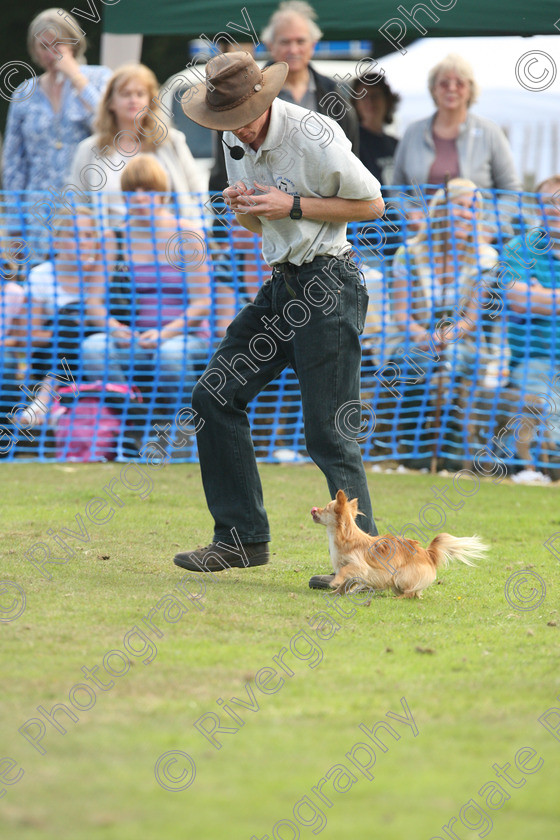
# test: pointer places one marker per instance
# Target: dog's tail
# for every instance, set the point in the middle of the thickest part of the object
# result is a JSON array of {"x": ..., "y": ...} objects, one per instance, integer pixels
[{"x": 445, "y": 547}]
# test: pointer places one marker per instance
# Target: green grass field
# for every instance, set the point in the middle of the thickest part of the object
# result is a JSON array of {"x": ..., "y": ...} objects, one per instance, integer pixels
[{"x": 476, "y": 670}]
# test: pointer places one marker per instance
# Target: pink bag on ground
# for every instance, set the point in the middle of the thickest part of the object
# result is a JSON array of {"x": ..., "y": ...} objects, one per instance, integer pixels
[{"x": 88, "y": 429}]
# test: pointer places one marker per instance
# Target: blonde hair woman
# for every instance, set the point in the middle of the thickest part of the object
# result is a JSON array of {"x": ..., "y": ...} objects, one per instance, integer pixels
[
  {"x": 50, "y": 114},
  {"x": 437, "y": 297},
  {"x": 436, "y": 272},
  {"x": 453, "y": 142},
  {"x": 129, "y": 122}
]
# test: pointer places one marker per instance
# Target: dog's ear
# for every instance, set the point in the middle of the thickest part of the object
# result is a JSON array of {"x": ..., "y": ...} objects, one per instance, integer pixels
[
  {"x": 340, "y": 501},
  {"x": 353, "y": 505}
]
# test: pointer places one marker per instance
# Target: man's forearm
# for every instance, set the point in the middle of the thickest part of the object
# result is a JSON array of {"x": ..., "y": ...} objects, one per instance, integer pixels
[
  {"x": 341, "y": 209},
  {"x": 274, "y": 204}
]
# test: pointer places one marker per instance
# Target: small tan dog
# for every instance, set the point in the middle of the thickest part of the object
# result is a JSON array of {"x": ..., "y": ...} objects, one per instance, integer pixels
[{"x": 363, "y": 562}]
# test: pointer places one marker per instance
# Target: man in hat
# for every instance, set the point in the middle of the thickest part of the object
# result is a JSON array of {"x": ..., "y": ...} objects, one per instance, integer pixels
[{"x": 294, "y": 179}]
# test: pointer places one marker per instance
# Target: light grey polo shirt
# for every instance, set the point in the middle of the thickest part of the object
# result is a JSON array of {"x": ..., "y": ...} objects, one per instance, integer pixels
[{"x": 308, "y": 154}]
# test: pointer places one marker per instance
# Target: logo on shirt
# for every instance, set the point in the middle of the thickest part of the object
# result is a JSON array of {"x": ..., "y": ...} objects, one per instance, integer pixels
[{"x": 286, "y": 185}]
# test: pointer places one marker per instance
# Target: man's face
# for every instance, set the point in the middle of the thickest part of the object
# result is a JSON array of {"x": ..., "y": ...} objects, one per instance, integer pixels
[
  {"x": 292, "y": 43},
  {"x": 249, "y": 133}
]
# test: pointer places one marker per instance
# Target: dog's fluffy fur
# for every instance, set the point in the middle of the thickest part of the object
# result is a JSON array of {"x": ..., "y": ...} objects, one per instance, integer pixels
[{"x": 361, "y": 561}]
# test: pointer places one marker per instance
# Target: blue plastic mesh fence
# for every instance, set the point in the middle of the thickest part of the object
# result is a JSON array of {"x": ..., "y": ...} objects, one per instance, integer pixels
[{"x": 110, "y": 310}]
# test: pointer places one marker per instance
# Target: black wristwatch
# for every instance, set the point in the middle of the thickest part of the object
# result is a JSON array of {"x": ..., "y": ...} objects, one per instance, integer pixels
[{"x": 295, "y": 212}]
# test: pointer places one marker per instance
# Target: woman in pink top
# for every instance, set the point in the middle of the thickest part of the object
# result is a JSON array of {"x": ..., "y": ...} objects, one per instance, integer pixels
[
  {"x": 454, "y": 142},
  {"x": 159, "y": 332}
]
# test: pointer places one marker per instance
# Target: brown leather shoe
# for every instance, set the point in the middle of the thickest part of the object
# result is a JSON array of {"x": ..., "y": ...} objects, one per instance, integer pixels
[{"x": 218, "y": 556}]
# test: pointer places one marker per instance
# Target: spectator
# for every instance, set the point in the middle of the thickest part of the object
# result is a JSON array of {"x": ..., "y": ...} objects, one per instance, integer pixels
[
  {"x": 434, "y": 278},
  {"x": 376, "y": 105},
  {"x": 528, "y": 279},
  {"x": 435, "y": 272},
  {"x": 12, "y": 298},
  {"x": 453, "y": 142},
  {"x": 167, "y": 333},
  {"x": 532, "y": 302},
  {"x": 291, "y": 35},
  {"x": 57, "y": 292},
  {"x": 129, "y": 122},
  {"x": 49, "y": 115}
]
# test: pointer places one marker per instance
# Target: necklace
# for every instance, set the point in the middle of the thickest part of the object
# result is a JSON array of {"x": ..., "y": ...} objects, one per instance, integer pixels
[
  {"x": 57, "y": 142},
  {"x": 56, "y": 123},
  {"x": 54, "y": 95}
]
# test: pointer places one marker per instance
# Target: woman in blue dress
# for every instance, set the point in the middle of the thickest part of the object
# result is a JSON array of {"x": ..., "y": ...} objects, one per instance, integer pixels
[{"x": 48, "y": 116}]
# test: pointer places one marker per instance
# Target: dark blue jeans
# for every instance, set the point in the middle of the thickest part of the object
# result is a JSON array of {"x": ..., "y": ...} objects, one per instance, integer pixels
[{"x": 309, "y": 317}]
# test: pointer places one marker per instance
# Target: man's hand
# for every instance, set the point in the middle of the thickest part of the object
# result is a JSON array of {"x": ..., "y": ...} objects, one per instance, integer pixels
[
  {"x": 273, "y": 205},
  {"x": 234, "y": 195}
]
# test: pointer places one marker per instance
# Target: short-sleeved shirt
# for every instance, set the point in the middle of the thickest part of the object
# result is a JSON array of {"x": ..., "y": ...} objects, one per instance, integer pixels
[
  {"x": 307, "y": 154},
  {"x": 161, "y": 294},
  {"x": 44, "y": 286},
  {"x": 533, "y": 336}
]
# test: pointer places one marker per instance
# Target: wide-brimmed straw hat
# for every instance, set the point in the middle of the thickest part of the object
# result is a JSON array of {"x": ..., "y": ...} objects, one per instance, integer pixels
[{"x": 235, "y": 93}]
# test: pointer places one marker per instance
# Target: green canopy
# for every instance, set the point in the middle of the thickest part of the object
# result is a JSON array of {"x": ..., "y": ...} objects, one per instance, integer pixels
[{"x": 360, "y": 19}]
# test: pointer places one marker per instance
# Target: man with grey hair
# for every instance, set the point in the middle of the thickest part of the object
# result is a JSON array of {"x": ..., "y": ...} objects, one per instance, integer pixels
[{"x": 291, "y": 36}]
